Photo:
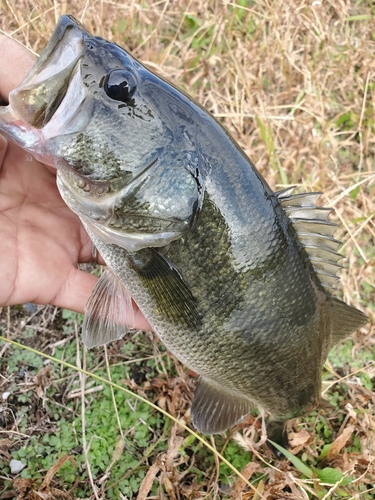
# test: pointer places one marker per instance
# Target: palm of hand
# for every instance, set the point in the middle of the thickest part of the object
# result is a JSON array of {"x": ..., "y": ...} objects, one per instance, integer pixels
[{"x": 41, "y": 239}]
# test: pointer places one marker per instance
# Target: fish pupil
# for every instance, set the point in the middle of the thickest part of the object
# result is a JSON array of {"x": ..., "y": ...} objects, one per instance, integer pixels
[{"x": 119, "y": 85}]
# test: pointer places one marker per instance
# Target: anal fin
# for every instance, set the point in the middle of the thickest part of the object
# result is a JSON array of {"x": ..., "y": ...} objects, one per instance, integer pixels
[
  {"x": 215, "y": 408},
  {"x": 108, "y": 313}
]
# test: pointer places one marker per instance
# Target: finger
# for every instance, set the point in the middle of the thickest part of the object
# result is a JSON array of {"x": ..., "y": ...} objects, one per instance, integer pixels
[
  {"x": 3, "y": 149},
  {"x": 16, "y": 61},
  {"x": 77, "y": 290},
  {"x": 89, "y": 254}
]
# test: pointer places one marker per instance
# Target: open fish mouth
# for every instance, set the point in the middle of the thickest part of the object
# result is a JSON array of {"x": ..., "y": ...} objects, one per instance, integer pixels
[{"x": 55, "y": 75}]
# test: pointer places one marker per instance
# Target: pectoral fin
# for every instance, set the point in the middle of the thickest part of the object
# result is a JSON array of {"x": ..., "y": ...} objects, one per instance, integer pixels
[
  {"x": 164, "y": 283},
  {"x": 108, "y": 312},
  {"x": 215, "y": 408}
]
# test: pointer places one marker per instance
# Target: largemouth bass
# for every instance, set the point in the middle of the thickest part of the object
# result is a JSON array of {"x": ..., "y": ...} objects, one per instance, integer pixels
[{"x": 234, "y": 278}]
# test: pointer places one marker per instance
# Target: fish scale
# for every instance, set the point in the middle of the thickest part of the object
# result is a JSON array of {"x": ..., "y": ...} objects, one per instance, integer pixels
[{"x": 234, "y": 278}]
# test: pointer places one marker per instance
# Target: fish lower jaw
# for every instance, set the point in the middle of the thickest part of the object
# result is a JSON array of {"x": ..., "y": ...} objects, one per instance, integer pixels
[{"x": 25, "y": 136}]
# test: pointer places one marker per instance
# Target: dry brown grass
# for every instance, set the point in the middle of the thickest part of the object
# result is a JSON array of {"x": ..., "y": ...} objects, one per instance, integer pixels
[{"x": 294, "y": 83}]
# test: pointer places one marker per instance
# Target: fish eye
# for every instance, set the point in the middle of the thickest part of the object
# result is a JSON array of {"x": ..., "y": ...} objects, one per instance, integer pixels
[{"x": 119, "y": 85}]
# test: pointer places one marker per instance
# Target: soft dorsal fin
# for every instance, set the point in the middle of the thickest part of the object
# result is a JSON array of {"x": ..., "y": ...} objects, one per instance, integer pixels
[
  {"x": 345, "y": 319},
  {"x": 314, "y": 231},
  {"x": 109, "y": 312},
  {"x": 216, "y": 408}
]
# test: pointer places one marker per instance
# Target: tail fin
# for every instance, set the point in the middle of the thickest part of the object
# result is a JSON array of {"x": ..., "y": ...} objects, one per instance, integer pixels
[
  {"x": 345, "y": 319},
  {"x": 277, "y": 433}
]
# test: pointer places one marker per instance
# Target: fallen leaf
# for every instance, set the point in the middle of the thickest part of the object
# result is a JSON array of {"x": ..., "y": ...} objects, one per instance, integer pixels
[
  {"x": 247, "y": 472},
  {"x": 42, "y": 380},
  {"x": 168, "y": 487},
  {"x": 298, "y": 440},
  {"x": 40, "y": 495},
  {"x": 5, "y": 443},
  {"x": 119, "y": 449},
  {"x": 22, "y": 487},
  {"x": 8, "y": 494},
  {"x": 147, "y": 482},
  {"x": 54, "y": 469},
  {"x": 341, "y": 440},
  {"x": 43, "y": 377}
]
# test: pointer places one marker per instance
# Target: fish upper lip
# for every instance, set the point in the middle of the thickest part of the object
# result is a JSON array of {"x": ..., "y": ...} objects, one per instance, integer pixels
[
  {"x": 62, "y": 50},
  {"x": 41, "y": 92}
]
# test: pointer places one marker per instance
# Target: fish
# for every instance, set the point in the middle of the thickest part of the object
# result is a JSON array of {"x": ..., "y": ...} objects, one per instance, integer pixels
[{"x": 237, "y": 280}]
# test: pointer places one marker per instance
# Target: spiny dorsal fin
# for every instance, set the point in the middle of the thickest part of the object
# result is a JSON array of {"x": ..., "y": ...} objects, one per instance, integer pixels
[
  {"x": 108, "y": 313},
  {"x": 285, "y": 193},
  {"x": 215, "y": 408},
  {"x": 314, "y": 231}
]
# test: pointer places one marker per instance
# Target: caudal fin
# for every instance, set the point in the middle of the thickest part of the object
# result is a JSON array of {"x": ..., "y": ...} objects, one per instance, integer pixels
[
  {"x": 345, "y": 319},
  {"x": 276, "y": 433}
]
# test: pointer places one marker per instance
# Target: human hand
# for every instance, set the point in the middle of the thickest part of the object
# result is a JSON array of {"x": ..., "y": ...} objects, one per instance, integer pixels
[{"x": 41, "y": 240}]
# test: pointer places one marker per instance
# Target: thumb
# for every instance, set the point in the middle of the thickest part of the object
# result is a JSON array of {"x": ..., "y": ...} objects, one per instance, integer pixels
[{"x": 16, "y": 61}]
